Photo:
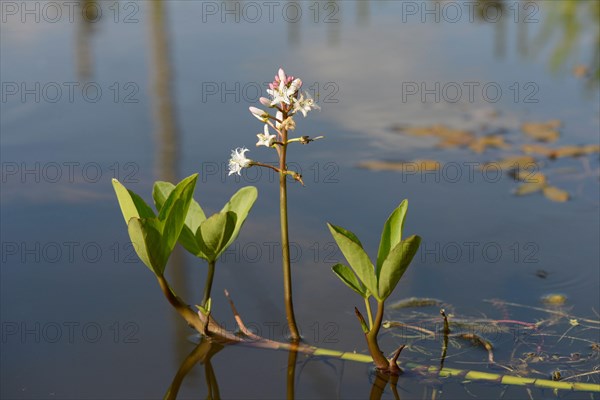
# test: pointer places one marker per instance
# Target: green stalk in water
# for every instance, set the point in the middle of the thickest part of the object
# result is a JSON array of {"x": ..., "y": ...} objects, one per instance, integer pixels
[{"x": 286, "y": 101}]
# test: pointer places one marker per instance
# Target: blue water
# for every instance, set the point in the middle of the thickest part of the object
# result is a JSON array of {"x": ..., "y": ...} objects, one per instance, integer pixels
[{"x": 83, "y": 318}]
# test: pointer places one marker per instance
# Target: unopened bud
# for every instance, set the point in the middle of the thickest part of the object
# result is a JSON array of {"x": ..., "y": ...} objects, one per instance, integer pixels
[{"x": 260, "y": 114}]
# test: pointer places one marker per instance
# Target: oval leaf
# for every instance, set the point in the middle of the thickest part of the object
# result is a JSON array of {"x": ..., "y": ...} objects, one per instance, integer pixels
[
  {"x": 392, "y": 233},
  {"x": 131, "y": 204},
  {"x": 195, "y": 214},
  {"x": 240, "y": 203},
  {"x": 349, "y": 278},
  {"x": 175, "y": 208},
  {"x": 396, "y": 264},
  {"x": 146, "y": 241},
  {"x": 184, "y": 191},
  {"x": 214, "y": 233},
  {"x": 356, "y": 256}
]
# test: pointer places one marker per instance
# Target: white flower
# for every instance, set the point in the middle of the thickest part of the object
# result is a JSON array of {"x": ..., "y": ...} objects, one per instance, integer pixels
[
  {"x": 294, "y": 86},
  {"x": 279, "y": 94},
  {"x": 278, "y": 117},
  {"x": 238, "y": 161},
  {"x": 304, "y": 105},
  {"x": 264, "y": 139},
  {"x": 260, "y": 114},
  {"x": 282, "y": 93}
]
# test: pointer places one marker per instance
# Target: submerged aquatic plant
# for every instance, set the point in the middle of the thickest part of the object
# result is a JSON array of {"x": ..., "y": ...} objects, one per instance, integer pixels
[
  {"x": 286, "y": 101},
  {"x": 379, "y": 281}
]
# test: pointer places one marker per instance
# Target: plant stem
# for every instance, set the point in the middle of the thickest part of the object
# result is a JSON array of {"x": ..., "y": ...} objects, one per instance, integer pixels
[
  {"x": 183, "y": 309},
  {"x": 369, "y": 314},
  {"x": 285, "y": 244},
  {"x": 291, "y": 374},
  {"x": 208, "y": 285},
  {"x": 381, "y": 362}
]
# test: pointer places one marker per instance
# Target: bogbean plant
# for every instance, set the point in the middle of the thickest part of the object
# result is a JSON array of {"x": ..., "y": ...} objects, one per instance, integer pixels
[
  {"x": 181, "y": 219},
  {"x": 286, "y": 101},
  {"x": 377, "y": 281}
]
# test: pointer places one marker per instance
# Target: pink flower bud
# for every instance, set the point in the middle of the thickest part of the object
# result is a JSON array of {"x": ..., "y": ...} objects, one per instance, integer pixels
[
  {"x": 281, "y": 74},
  {"x": 265, "y": 102}
]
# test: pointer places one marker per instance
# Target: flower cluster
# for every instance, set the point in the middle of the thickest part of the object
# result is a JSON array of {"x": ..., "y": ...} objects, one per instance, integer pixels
[
  {"x": 238, "y": 160},
  {"x": 287, "y": 100}
]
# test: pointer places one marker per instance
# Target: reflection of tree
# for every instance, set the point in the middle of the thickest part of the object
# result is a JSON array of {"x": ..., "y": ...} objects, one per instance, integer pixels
[
  {"x": 166, "y": 127},
  {"x": 167, "y": 137},
  {"x": 85, "y": 29},
  {"x": 568, "y": 21}
]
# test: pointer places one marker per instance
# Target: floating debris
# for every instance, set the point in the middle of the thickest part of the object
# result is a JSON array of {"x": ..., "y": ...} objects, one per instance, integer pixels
[
  {"x": 537, "y": 149},
  {"x": 401, "y": 166},
  {"x": 542, "y": 131},
  {"x": 415, "y": 302},
  {"x": 449, "y": 137},
  {"x": 554, "y": 299},
  {"x": 529, "y": 188},
  {"x": 479, "y": 145},
  {"x": 528, "y": 176},
  {"x": 540, "y": 273},
  {"x": 565, "y": 151},
  {"x": 514, "y": 162},
  {"x": 555, "y": 194}
]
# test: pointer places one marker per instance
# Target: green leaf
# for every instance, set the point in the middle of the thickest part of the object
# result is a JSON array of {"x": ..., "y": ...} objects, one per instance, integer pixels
[
  {"x": 392, "y": 233},
  {"x": 174, "y": 210},
  {"x": 154, "y": 238},
  {"x": 173, "y": 225},
  {"x": 147, "y": 243},
  {"x": 356, "y": 256},
  {"x": 240, "y": 203},
  {"x": 131, "y": 204},
  {"x": 347, "y": 276},
  {"x": 214, "y": 233},
  {"x": 195, "y": 215},
  {"x": 193, "y": 218},
  {"x": 184, "y": 190},
  {"x": 396, "y": 264}
]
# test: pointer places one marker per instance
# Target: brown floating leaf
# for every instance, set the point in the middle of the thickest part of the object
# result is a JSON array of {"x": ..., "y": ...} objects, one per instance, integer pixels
[
  {"x": 529, "y": 188},
  {"x": 402, "y": 166},
  {"x": 565, "y": 151},
  {"x": 514, "y": 162},
  {"x": 448, "y": 137},
  {"x": 591, "y": 148},
  {"x": 538, "y": 149},
  {"x": 542, "y": 131},
  {"x": 479, "y": 341},
  {"x": 554, "y": 299},
  {"x": 529, "y": 176},
  {"x": 568, "y": 151},
  {"x": 555, "y": 194},
  {"x": 415, "y": 302},
  {"x": 479, "y": 145},
  {"x": 458, "y": 140}
]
